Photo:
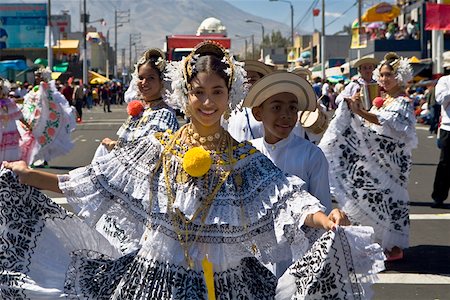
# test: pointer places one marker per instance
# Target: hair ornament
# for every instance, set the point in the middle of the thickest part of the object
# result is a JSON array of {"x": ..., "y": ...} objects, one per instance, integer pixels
[
  {"x": 178, "y": 73},
  {"x": 5, "y": 86},
  {"x": 45, "y": 73},
  {"x": 400, "y": 66}
]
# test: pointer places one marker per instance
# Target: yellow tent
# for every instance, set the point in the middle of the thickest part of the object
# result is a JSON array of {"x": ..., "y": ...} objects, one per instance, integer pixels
[
  {"x": 414, "y": 60},
  {"x": 96, "y": 78},
  {"x": 383, "y": 12},
  {"x": 66, "y": 46}
]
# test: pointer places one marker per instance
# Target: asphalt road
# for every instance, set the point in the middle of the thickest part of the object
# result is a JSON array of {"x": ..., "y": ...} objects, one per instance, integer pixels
[{"x": 424, "y": 273}]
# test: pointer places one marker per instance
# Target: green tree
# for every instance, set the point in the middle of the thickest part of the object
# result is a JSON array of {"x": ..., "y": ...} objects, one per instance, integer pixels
[{"x": 276, "y": 40}]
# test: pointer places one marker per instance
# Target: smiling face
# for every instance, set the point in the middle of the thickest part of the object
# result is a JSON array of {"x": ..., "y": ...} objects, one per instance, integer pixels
[
  {"x": 208, "y": 100},
  {"x": 387, "y": 79},
  {"x": 149, "y": 83},
  {"x": 366, "y": 71},
  {"x": 279, "y": 116}
]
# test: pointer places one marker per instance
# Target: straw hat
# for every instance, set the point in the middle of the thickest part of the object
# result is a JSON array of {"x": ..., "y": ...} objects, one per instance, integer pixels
[
  {"x": 282, "y": 82},
  {"x": 302, "y": 72},
  {"x": 365, "y": 60},
  {"x": 257, "y": 66}
]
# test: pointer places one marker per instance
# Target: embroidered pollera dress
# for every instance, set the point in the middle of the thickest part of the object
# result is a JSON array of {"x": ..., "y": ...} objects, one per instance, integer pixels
[
  {"x": 52, "y": 120},
  {"x": 151, "y": 120},
  {"x": 9, "y": 135},
  {"x": 370, "y": 166},
  {"x": 156, "y": 247}
]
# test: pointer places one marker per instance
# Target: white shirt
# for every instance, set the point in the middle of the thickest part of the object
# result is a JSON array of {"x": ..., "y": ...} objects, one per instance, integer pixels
[
  {"x": 243, "y": 126},
  {"x": 442, "y": 92},
  {"x": 297, "y": 156}
]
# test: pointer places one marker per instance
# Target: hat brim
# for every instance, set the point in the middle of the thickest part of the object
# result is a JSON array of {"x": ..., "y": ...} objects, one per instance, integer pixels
[
  {"x": 365, "y": 60},
  {"x": 257, "y": 66},
  {"x": 282, "y": 82}
]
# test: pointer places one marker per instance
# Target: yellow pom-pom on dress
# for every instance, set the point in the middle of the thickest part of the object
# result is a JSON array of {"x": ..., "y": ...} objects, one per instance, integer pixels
[{"x": 197, "y": 161}]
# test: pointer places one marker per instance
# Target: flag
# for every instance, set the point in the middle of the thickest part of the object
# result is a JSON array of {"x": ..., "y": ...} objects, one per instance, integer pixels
[
  {"x": 437, "y": 16},
  {"x": 359, "y": 38}
]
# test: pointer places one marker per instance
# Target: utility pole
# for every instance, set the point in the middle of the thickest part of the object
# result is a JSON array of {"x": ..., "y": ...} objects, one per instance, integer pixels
[
  {"x": 437, "y": 50},
  {"x": 85, "y": 71},
  {"x": 120, "y": 17},
  {"x": 359, "y": 27},
  {"x": 49, "y": 46},
  {"x": 253, "y": 46},
  {"x": 135, "y": 38},
  {"x": 322, "y": 42}
]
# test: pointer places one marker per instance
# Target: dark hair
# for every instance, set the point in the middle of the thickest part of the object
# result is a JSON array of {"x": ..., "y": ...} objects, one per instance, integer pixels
[
  {"x": 210, "y": 64},
  {"x": 151, "y": 61},
  {"x": 391, "y": 60}
]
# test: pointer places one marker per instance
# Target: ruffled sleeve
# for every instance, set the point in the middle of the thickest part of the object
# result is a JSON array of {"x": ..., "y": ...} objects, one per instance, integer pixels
[
  {"x": 399, "y": 117},
  {"x": 122, "y": 175}
]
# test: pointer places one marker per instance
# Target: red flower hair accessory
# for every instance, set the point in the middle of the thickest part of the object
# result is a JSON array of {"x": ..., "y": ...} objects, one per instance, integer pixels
[
  {"x": 135, "y": 108},
  {"x": 378, "y": 102}
]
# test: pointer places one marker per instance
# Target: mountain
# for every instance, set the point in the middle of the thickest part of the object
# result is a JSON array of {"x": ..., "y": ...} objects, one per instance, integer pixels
[{"x": 155, "y": 19}]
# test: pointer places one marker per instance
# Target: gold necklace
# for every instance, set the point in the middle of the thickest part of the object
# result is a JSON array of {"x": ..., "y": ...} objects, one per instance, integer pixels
[
  {"x": 177, "y": 216},
  {"x": 196, "y": 138}
]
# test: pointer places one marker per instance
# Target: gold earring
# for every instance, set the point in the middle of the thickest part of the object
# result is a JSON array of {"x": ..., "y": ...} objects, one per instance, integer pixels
[{"x": 227, "y": 114}]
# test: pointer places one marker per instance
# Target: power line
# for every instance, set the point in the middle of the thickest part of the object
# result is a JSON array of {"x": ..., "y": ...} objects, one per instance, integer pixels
[
  {"x": 304, "y": 18},
  {"x": 343, "y": 14}
]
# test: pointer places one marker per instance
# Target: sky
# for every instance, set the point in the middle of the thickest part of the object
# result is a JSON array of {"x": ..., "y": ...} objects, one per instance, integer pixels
[{"x": 337, "y": 12}]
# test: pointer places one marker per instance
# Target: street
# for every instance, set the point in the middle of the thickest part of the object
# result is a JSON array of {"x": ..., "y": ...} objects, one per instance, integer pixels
[{"x": 424, "y": 273}]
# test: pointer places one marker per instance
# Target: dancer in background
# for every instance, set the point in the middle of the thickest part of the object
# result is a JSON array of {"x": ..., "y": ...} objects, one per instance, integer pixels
[
  {"x": 51, "y": 118},
  {"x": 9, "y": 134},
  {"x": 148, "y": 112},
  {"x": 369, "y": 153}
]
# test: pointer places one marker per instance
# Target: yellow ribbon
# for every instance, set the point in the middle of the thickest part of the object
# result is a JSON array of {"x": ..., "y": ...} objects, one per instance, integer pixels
[{"x": 208, "y": 272}]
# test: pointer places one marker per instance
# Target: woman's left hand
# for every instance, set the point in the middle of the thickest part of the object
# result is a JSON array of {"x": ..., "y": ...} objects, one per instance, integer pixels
[{"x": 339, "y": 217}]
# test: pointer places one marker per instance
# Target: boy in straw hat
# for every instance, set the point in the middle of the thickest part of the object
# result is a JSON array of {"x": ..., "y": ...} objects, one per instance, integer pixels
[
  {"x": 242, "y": 125},
  {"x": 275, "y": 101},
  {"x": 366, "y": 66}
]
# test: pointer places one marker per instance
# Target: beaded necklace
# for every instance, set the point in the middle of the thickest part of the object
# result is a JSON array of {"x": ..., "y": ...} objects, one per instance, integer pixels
[{"x": 180, "y": 222}]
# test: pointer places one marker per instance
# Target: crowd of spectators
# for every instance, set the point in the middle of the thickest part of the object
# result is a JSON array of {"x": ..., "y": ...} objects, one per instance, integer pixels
[{"x": 392, "y": 31}]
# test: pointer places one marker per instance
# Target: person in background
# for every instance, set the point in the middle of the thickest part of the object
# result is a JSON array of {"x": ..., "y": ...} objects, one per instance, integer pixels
[
  {"x": 370, "y": 157},
  {"x": 9, "y": 134},
  {"x": 88, "y": 93},
  {"x": 441, "y": 184},
  {"x": 68, "y": 91},
  {"x": 241, "y": 124},
  {"x": 317, "y": 86},
  {"x": 148, "y": 87},
  {"x": 104, "y": 95},
  {"x": 51, "y": 119},
  {"x": 326, "y": 92},
  {"x": 434, "y": 107},
  {"x": 366, "y": 66},
  {"x": 78, "y": 98}
]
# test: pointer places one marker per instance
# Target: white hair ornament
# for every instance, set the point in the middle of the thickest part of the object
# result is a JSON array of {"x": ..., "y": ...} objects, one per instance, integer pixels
[
  {"x": 400, "y": 65},
  {"x": 177, "y": 73}
]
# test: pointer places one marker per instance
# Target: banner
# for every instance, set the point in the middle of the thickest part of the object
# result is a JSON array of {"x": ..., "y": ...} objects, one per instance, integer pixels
[
  {"x": 359, "y": 40},
  {"x": 437, "y": 16},
  {"x": 22, "y": 25}
]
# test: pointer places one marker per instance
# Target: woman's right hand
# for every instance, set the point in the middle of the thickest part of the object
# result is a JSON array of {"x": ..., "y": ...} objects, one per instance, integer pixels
[
  {"x": 109, "y": 144},
  {"x": 20, "y": 168}
]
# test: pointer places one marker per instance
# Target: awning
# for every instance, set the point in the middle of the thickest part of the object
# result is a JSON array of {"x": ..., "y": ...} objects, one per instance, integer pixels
[
  {"x": 383, "y": 12},
  {"x": 96, "y": 78},
  {"x": 17, "y": 64},
  {"x": 66, "y": 46}
]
